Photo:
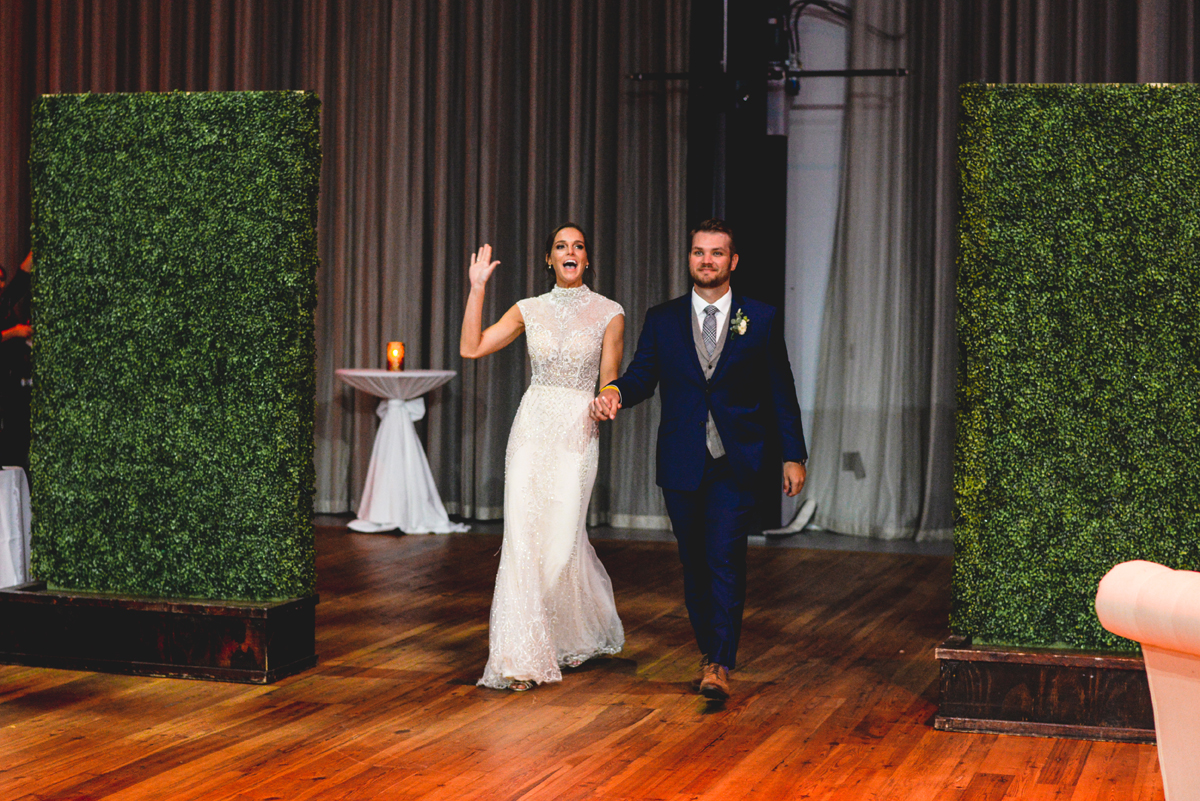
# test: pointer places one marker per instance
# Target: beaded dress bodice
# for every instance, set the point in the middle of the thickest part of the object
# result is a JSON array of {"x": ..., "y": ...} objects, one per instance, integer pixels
[{"x": 565, "y": 331}]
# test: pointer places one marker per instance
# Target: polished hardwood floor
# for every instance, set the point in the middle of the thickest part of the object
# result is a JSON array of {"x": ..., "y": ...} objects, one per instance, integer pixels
[{"x": 833, "y": 699}]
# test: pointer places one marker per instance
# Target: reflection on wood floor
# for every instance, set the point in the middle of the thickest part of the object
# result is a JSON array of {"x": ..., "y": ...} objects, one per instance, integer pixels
[{"x": 833, "y": 699}]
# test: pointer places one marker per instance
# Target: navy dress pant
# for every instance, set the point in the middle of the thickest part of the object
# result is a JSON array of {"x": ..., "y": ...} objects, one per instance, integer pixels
[{"x": 711, "y": 524}]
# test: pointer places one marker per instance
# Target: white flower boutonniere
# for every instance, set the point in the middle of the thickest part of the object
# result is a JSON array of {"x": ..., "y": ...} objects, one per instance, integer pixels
[{"x": 739, "y": 324}]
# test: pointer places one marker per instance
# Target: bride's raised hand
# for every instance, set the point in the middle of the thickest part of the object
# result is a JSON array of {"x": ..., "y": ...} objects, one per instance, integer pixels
[{"x": 481, "y": 267}]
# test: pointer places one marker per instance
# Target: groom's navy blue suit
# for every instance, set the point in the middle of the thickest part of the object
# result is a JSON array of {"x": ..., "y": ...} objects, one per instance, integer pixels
[{"x": 752, "y": 400}]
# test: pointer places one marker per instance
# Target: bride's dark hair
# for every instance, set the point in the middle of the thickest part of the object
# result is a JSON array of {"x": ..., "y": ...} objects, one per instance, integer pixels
[{"x": 589, "y": 275}]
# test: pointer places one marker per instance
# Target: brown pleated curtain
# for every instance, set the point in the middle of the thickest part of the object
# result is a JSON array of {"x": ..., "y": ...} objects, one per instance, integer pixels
[{"x": 444, "y": 125}]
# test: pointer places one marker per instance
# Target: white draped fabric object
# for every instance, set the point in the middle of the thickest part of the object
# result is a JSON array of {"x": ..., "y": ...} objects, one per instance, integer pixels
[
  {"x": 14, "y": 527},
  {"x": 875, "y": 451},
  {"x": 399, "y": 491},
  {"x": 403, "y": 384}
]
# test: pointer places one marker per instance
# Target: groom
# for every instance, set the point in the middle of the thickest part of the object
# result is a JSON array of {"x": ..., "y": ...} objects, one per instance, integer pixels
[{"x": 727, "y": 391}]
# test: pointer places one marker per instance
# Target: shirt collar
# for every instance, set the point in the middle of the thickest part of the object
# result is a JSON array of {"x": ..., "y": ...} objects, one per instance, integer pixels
[{"x": 722, "y": 303}]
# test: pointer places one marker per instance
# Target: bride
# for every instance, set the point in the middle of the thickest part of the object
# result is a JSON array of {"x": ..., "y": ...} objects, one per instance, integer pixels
[{"x": 553, "y": 605}]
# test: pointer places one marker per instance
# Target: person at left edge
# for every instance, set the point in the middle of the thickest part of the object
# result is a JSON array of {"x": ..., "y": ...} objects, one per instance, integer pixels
[{"x": 15, "y": 365}]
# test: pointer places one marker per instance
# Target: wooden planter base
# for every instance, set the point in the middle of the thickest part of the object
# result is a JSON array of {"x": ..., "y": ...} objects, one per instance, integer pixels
[
  {"x": 1044, "y": 692},
  {"x": 239, "y": 641}
]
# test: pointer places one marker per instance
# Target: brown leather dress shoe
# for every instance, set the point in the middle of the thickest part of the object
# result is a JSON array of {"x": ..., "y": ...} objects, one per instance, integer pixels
[
  {"x": 696, "y": 682},
  {"x": 715, "y": 684}
]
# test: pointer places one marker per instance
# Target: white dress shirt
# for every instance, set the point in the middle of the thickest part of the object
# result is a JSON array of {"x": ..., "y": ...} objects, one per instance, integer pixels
[{"x": 722, "y": 303}]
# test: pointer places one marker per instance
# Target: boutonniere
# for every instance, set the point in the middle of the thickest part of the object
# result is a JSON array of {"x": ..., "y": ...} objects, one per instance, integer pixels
[{"x": 738, "y": 324}]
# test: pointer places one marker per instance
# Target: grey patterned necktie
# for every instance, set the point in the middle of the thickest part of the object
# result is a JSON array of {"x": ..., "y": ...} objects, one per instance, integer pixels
[{"x": 710, "y": 329}]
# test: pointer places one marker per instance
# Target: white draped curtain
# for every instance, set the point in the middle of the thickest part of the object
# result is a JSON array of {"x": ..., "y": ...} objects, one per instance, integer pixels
[
  {"x": 883, "y": 430},
  {"x": 871, "y": 423}
]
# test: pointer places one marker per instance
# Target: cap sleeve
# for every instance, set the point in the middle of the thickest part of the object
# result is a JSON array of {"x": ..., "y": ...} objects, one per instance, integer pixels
[
  {"x": 526, "y": 307},
  {"x": 614, "y": 309}
]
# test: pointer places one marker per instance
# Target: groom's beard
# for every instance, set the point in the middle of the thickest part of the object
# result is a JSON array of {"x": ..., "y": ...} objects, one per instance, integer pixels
[{"x": 711, "y": 280}]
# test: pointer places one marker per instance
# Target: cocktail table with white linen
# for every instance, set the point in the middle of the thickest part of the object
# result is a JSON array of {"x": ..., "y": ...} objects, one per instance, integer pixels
[
  {"x": 14, "y": 527},
  {"x": 399, "y": 491}
]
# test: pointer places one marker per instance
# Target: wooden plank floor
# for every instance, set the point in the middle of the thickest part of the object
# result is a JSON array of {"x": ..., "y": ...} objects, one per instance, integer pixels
[{"x": 833, "y": 699}]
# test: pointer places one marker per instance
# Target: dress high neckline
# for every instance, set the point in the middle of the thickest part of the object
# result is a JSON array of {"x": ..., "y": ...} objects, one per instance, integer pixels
[{"x": 563, "y": 291}]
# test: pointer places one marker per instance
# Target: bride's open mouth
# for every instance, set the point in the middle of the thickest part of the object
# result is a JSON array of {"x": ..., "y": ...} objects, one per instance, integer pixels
[{"x": 570, "y": 264}]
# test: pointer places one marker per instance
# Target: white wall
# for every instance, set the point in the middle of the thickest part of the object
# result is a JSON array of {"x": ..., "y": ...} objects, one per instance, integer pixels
[{"x": 814, "y": 170}]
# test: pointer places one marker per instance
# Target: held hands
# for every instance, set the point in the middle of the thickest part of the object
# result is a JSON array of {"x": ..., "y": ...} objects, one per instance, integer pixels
[
  {"x": 605, "y": 405},
  {"x": 794, "y": 475},
  {"x": 481, "y": 267}
]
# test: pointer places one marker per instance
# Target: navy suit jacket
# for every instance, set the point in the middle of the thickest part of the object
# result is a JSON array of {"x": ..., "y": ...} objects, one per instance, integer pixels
[{"x": 751, "y": 394}]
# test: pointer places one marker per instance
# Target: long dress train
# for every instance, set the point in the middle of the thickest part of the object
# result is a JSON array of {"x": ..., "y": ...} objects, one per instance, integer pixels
[{"x": 553, "y": 603}]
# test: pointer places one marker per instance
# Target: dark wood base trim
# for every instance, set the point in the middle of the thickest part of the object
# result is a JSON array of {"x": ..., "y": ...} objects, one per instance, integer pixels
[
  {"x": 1043, "y": 693},
  {"x": 1033, "y": 729},
  {"x": 158, "y": 669},
  {"x": 236, "y": 641}
]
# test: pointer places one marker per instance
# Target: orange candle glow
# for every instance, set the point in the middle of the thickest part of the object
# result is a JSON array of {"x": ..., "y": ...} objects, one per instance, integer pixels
[{"x": 395, "y": 355}]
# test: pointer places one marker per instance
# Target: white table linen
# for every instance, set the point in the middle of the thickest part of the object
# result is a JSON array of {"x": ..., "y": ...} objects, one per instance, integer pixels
[
  {"x": 14, "y": 527},
  {"x": 399, "y": 491}
]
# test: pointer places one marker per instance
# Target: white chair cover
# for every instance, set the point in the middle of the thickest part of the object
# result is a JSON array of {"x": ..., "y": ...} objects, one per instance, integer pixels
[{"x": 1160, "y": 608}]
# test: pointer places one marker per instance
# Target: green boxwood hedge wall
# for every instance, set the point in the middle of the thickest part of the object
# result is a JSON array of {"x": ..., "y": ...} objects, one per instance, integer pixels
[
  {"x": 174, "y": 286},
  {"x": 1079, "y": 327}
]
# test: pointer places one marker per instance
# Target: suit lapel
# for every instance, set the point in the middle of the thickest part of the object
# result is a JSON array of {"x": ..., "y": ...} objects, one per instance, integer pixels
[{"x": 688, "y": 340}]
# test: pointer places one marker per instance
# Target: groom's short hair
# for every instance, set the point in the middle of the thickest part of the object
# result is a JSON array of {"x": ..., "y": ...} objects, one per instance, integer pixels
[{"x": 713, "y": 226}]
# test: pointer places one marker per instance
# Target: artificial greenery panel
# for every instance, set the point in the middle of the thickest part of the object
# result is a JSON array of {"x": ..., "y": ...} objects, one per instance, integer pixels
[
  {"x": 1079, "y": 384},
  {"x": 174, "y": 287}
]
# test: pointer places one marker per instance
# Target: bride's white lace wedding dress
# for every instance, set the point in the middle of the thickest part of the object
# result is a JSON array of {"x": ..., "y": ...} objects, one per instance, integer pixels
[{"x": 553, "y": 603}]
